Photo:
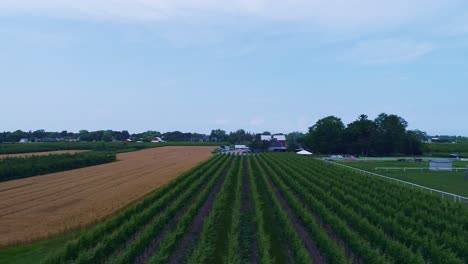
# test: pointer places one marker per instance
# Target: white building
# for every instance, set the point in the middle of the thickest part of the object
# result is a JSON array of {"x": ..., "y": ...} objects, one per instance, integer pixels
[
  {"x": 304, "y": 153},
  {"x": 240, "y": 147},
  {"x": 440, "y": 165}
]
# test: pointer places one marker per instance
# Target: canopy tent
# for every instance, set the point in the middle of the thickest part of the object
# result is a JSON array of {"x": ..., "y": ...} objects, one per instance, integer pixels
[{"x": 304, "y": 152}]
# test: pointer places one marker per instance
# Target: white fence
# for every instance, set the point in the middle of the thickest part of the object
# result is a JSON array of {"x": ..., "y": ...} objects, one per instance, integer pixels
[
  {"x": 404, "y": 169},
  {"x": 446, "y": 195}
]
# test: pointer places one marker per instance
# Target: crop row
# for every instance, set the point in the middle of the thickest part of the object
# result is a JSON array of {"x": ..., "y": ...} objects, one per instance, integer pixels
[
  {"x": 298, "y": 210},
  {"x": 23, "y": 167}
]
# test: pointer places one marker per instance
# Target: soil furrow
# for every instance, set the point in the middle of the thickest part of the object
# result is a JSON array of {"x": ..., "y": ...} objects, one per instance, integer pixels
[{"x": 196, "y": 227}]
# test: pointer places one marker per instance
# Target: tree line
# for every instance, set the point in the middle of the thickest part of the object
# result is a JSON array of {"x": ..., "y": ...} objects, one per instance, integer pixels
[
  {"x": 99, "y": 136},
  {"x": 386, "y": 134}
]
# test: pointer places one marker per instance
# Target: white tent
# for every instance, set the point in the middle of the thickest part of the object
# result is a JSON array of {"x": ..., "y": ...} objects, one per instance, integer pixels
[{"x": 304, "y": 152}]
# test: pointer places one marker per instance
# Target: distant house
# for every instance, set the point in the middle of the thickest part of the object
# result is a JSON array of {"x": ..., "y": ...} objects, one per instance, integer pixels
[
  {"x": 281, "y": 139},
  {"x": 240, "y": 147},
  {"x": 157, "y": 140},
  {"x": 440, "y": 165},
  {"x": 127, "y": 140},
  {"x": 24, "y": 140}
]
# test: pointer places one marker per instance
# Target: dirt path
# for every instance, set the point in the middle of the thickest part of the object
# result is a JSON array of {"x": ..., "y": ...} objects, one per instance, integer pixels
[
  {"x": 21, "y": 155},
  {"x": 38, "y": 207}
]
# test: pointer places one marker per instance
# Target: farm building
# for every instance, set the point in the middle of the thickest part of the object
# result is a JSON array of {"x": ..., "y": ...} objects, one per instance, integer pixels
[
  {"x": 304, "y": 153},
  {"x": 281, "y": 139},
  {"x": 157, "y": 140},
  {"x": 440, "y": 165},
  {"x": 240, "y": 147},
  {"x": 24, "y": 140}
]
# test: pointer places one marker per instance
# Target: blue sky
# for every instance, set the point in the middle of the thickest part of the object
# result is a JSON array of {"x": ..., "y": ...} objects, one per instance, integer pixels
[{"x": 258, "y": 64}]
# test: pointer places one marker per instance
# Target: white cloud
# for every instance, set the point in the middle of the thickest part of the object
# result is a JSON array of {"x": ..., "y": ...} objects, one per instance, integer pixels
[
  {"x": 387, "y": 51},
  {"x": 324, "y": 14}
]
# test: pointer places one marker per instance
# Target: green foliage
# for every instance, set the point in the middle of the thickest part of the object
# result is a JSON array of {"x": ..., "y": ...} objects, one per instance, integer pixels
[
  {"x": 385, "y": 135},
  {"x": 23, "y": 167},
  {"x": 445, "y": 149},
  {"x": 326, "y": 136},
  {"x": 295, "y": 140},
  {"x": 214, "y": 236}
]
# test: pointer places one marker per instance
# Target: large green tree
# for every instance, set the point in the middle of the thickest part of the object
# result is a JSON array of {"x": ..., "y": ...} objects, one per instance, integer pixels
[
  {"x": 294, "y": 140},
  {"x": 390, "y": 134},
  {"x": 326, "y": 136},
  {"x": 358, "y": 135},
  {"x": 218, "y": 134}
]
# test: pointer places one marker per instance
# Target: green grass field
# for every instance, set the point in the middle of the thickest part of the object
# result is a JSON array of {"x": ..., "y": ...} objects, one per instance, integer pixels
[
  {"x": 445, "y": 149},
  {"x": 453, "y": 182},
  {"x": 34, "y": 252}
]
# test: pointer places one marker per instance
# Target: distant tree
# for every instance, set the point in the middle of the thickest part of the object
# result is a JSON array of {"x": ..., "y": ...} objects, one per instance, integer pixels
[
  {"x": 218, "y": 134},
  {"x": 412, "y": 144},
  {"x": 259, "y": 144},
  {"x": 358, "y": 135},
  {"x": 84, "y": 135},
  {"x": 420, "y": 135},
  {"x": 390, "y": 135},
  {"x": 294, "y": 140},
  {"x": 125, "y": 134},
  {"x": 326, "y": 136},
  {"x": 107, "y": 136},
  {"x": 39, "y": 134}
]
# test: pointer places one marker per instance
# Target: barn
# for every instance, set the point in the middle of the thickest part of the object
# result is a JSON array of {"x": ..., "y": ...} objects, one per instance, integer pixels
[
  {"x": 279, "y": 139},
  {"x": 157, "y": 140}
]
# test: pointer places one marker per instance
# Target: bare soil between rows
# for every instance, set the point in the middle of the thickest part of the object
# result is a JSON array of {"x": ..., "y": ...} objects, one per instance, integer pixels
[{"x": 39, "y": 207}]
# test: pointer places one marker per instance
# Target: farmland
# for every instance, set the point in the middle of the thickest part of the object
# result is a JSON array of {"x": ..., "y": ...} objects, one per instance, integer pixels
[
  {"x": 18, "y": 167},
  {"x": 16, "y": 148},
  {"x": 44, "y": 153},
  {"x": 276, "y": 208},
  {"x": 39, "y": 207}
]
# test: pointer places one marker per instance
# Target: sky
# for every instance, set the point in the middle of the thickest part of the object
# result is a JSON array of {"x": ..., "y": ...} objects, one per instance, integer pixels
[{"x": 260, "y": 65}]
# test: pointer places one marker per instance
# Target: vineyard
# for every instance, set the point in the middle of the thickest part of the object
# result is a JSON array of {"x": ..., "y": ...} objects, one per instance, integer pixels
[{"x": 277, "y": 208}]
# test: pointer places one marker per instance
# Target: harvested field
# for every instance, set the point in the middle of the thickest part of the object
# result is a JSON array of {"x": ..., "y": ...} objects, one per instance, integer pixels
[
  {"x": 38, "y": 207},
  {"x": 21, "y": 155}
]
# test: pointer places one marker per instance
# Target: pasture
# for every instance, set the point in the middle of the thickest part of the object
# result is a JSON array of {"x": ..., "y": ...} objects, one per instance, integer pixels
[
  {"x": 445, "y": 149},
  {"x": 453, "y": 182}
]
